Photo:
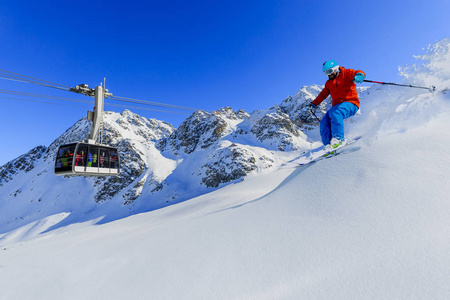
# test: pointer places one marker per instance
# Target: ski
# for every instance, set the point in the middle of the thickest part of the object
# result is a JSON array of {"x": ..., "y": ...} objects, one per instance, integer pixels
[
  {"x": 321, "y": 154},
  {"x": 335, "y": 152}
]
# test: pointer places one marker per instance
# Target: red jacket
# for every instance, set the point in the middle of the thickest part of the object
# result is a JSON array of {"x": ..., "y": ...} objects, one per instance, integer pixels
[{"x": 341, "y": 89}]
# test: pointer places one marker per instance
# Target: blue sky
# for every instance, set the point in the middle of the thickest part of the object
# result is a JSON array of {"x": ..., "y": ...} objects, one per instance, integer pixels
[{"x": 202, "y": 54}]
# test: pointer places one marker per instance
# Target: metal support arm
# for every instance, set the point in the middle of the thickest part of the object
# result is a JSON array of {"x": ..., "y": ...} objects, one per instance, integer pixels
[{"x": 98, "y": 114}]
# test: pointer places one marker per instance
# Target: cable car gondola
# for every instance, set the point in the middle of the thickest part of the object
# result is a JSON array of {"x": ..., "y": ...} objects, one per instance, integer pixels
[{"x": 89, "y": 158}]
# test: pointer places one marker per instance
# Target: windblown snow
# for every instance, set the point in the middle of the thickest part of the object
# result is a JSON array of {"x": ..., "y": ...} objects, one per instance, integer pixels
[{"x": 209, "y": 210}]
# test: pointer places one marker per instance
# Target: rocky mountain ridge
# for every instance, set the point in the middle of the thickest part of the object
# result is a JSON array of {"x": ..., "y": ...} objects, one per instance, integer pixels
[{"x": 162, "y": 165}]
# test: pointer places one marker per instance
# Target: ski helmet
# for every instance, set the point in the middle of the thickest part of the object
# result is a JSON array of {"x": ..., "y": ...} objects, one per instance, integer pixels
[{"x": 329, "y": 67}]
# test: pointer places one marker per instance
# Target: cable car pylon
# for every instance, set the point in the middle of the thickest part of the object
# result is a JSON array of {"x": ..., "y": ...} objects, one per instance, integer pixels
[
  {"x": 89, "y": 158},
  {"x": 96, "y": 116}
]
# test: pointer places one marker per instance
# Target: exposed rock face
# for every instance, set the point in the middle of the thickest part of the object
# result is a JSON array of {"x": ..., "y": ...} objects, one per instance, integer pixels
[
  {"x": 202, "y": 129},
  {"x": 274, "y": 127},
  {"x": 23, "y": 163},
  {"x": 231, "y": 163}
]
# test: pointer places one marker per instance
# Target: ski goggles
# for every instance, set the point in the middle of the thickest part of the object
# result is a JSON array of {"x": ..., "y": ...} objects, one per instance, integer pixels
[{"x": 330, "y": 71}]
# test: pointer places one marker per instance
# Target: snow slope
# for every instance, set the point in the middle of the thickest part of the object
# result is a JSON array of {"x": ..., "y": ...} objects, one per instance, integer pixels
[{"x": 372, "y": 224}]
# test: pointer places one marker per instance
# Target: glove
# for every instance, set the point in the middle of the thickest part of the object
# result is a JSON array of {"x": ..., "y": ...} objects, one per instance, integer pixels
[
  {"x": 312, "y": 106},
  {"x": 359, "y": 77}
]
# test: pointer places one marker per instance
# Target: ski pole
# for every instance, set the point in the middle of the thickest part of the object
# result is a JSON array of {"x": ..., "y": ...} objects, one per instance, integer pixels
[
  {"x": 312, "y": 112},
  {"x": 431, "y": 89}
]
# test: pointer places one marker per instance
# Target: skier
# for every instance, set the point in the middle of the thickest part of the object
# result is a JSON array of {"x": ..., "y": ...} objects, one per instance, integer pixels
[{"x": 341, "y": 85}]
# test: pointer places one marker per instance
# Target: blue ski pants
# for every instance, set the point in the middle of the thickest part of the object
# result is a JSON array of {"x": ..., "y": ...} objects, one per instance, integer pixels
[{"x": 332, "y": 124}]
